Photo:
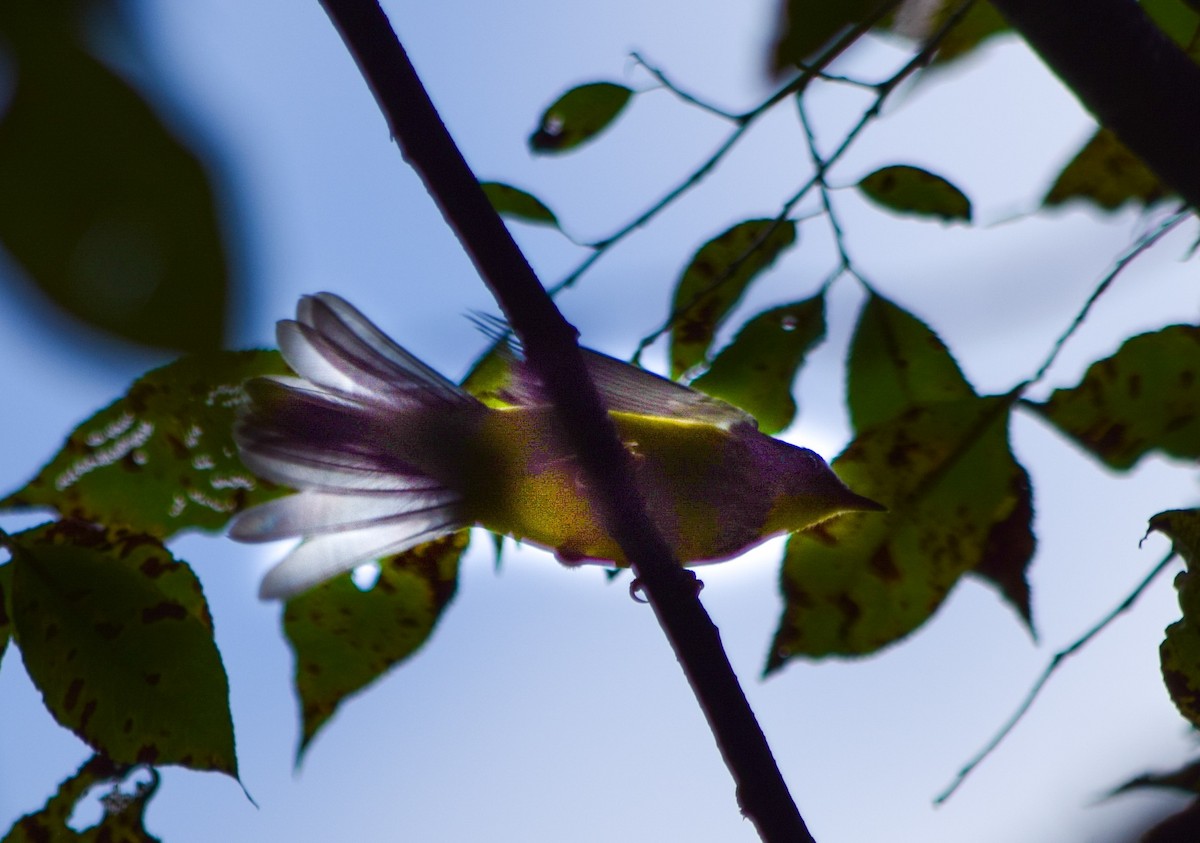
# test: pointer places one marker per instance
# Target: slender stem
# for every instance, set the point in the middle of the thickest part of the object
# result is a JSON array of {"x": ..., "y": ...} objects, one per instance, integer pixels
[
  {"x": 1049, "y": 671},
  {"x": 550, "y": 349}
]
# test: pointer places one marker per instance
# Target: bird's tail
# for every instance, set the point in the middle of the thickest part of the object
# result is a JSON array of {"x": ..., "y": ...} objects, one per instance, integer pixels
[{"x": 347, "y": 433}]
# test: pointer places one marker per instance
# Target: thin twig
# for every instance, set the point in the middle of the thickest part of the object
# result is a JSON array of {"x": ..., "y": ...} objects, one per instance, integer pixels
[{"x": 1057, "y": 659}]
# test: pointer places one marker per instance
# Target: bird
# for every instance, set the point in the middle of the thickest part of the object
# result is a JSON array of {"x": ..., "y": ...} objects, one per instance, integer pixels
[{"x": 385, "y": 454}]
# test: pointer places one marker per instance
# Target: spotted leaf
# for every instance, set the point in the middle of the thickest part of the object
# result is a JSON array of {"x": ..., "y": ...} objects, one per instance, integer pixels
[
  {"x": 117, "y": 636},
  {"x": 715, "y": 280},
  {"x": 345, "y": 638},
  {"x": 1144, "y": 398},
  {"x": 162, "y": 458},
  {"x": 855, "y": 584},
  {"x": 916, "y": 192},
  {"x": 1180, "y": 649}
]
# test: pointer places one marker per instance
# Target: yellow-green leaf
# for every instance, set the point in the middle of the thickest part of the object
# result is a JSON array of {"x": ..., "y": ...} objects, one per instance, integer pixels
[
  {"x": 578, "y": 116},
  {"x": 1180, "y": 649},
  {"x": 855, "y": 584},
  {"x": 514, "y": 203},
  {"x": 117, "y": 636},
  {"x": 715, "y": 280},
  {"x": 1108, "y": 175},
  {"x": 756, "y": 370},
  {"x": 896, "y": 363},
  {"x": 345, "y": 638},
  {"x": 104, "y": 207},
  {"x": 913, "y": 191},
  {"x": 1144, "y": 398},
  {"x": 124, "y": 812},
  {"x": 162, "y": 458}
]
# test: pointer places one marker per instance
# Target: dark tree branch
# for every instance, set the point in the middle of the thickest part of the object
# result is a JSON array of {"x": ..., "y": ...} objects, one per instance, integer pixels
[
  {"x": 550, "y": 348},
  {"x": 1128, "y": 73}
]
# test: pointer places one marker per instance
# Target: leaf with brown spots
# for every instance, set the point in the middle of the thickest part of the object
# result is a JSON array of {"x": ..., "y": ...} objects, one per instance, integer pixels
[
  {"x": 117, "y": 636},
  {"x": 915, "y": 192},
  {"x": 578, "y": 116},
  {"x": 124, "y": 812},
  {"x": 896, "y": 363},
  {"x": 715, "y": 280},
  {"x": 1009, "y": 550},
  {"x": 162, "y": 458},
  {"x": 755, "y": 372},
  {"x": 1180, "y": 649},
  {"x": 345, "y": 638},
  {"x": 857, "y": 583},
  {"x": 1108, "y": 175},
  {"x": 1144, "y": 398}
]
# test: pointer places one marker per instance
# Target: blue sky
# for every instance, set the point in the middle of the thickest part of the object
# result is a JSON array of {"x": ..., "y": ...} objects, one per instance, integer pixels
[{"x": 547, "y": 705}]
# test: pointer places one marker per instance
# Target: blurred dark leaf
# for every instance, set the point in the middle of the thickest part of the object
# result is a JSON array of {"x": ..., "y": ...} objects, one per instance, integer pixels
[
  {"x": 807, "y": 26},
  {"x": 1186, "y": 778},
  {"x": 1009, "y": 550},
  {"x": 124, "y": 813},
  {"x": 103, "y": 206},
  {"x": 5, "y": 606},
  {"x": 514, "y": 203},
  {"x": 117, "y": 636},
  {"x": 919, "y": 20},
  {"x": 1144, "y": 398},
  {"x": 756, "y": 370},
  {"x": 1179, "y": 19},
  {"x": 1180, "y": 649},
  {"x": 162, "y": 458},
  {"x": 1108, "y": 175},
  {"x": 345, "y": 638},
  {"x": 1183, "y": 827},
  {"x": 916, "y": 192},
  {"x": 578, "y": 116},
  {"x": 864, "y": 580},
  {"x": 715, "y": 280},
  {"x": 896, "y": 363}
]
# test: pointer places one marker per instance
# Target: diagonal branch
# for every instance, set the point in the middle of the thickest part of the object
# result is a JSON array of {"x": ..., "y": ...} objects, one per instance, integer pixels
[
  {"x": 550, "y": 348},
  {"x": 1128, "y": 73}
]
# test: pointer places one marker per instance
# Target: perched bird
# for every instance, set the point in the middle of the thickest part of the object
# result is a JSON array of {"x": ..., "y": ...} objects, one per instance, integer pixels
[{"x": 388, "y": 454}]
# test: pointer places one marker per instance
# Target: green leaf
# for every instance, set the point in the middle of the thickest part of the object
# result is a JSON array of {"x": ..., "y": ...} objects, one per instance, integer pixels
[
  {"x": 516, "y": 204},
  {"x": 103, "y": 206},
  {"x": 124, "y": 813},
  {"x": 117, "y": 636},
  {"x": 1179, "y": 19},
  {"x": 1144, "y": 398},
  {"x": 162, "y": 458},
  {"x": 855, "y": 584},
  {"x": 1180, "y": 649},
  {"x": 578, "y": 116},
  {"x": 1009, "y": 550},
  {"x": 1108, "y": 175},
  {"x": 896, "y": 363},
  {"x": 911, "y": 190},
  {"x": 756, "y": 370},
  {"x": 5, "y": 606},
  {"x": 345, "y": 638},
  {"x": 715, "y": 280},
  {"x": 807, "y": 26}
]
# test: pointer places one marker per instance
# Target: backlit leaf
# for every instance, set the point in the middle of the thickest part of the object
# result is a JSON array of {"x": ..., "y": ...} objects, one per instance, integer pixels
[
  {"x": 855, "y": 584},
  {"x": 1144, "y": 398},
  {"x": 896, "y": 363},
  {"x": 756, "y": 370},
  {"x": 919, "y": 20},
  {"x": 124, "y": 814},
  {"x": 103, "y": 206},
  {"x": 1009, "y": 550},
  {"x": 578, "y": 116},
  {"x": 117, "y": 636},
  {"x": 913, "y": 191},
  {"x": 715, "y": 280},
  {"x": 1106, "y": 173},
  {"x": 162, "y": 458},
  {"x": 1180, "y": 649},
  {"x": 516, "y": 204},
  {"x": 345, "y": 638}
]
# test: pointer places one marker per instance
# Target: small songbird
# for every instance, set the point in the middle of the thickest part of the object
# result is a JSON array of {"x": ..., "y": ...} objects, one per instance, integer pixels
[{"x": 388, "y": 454}]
